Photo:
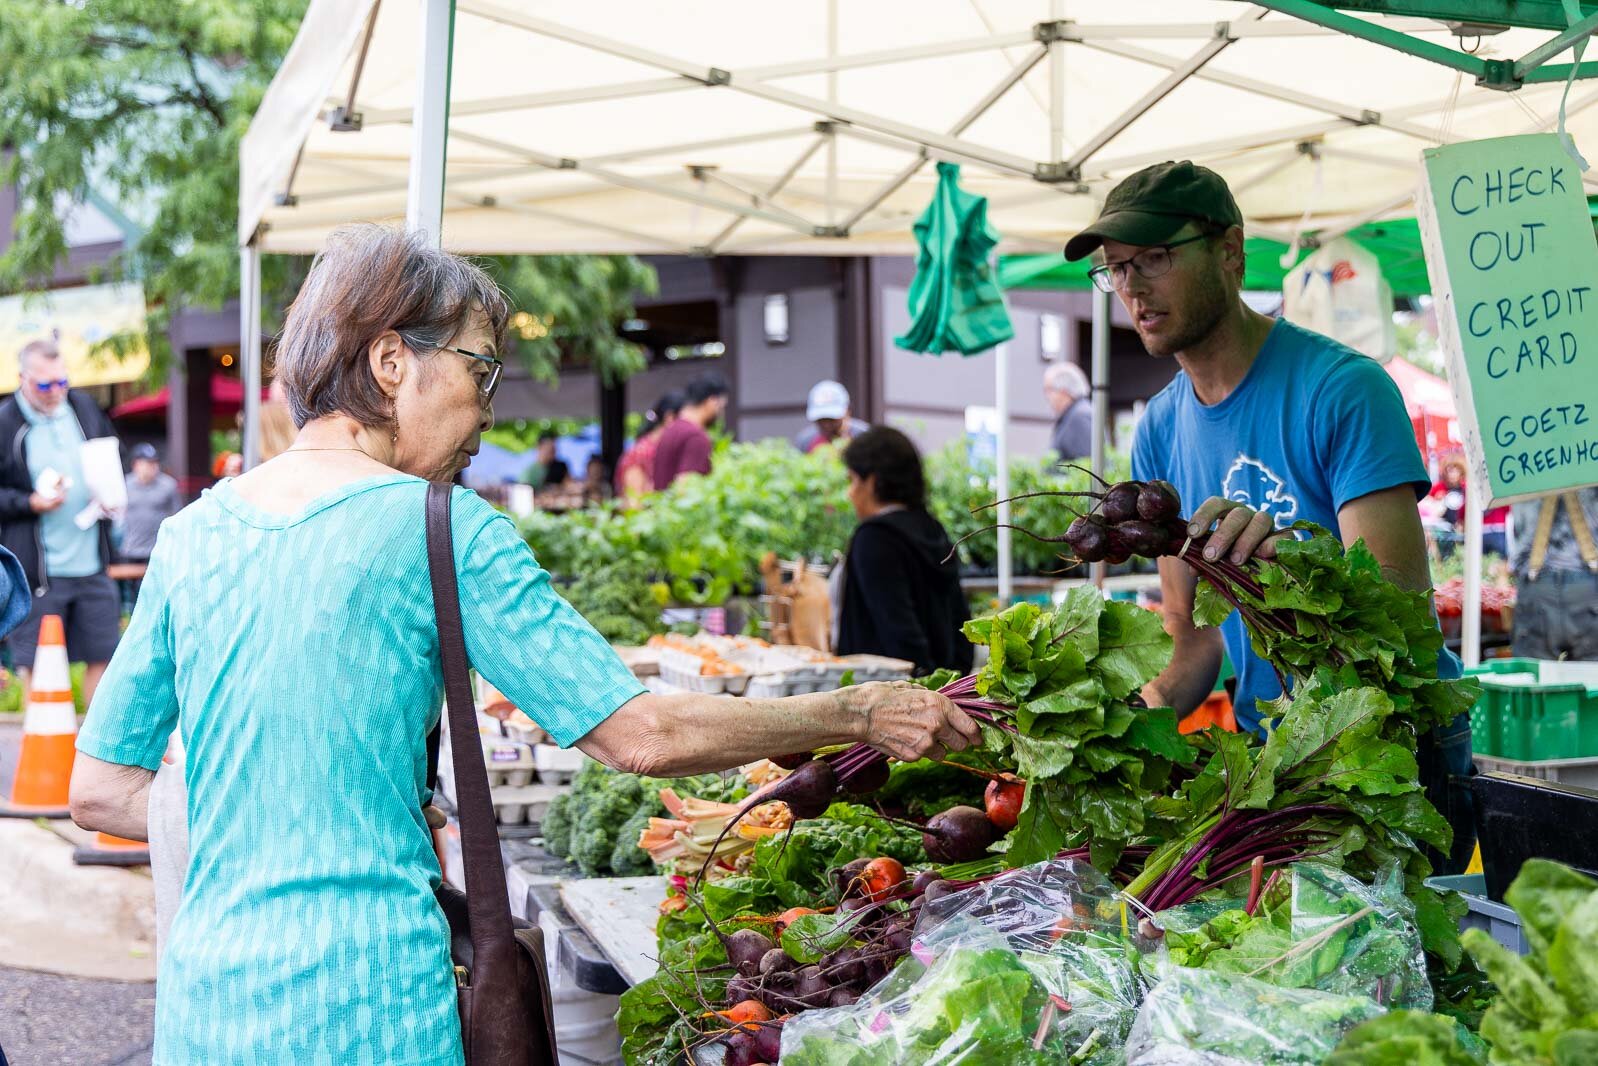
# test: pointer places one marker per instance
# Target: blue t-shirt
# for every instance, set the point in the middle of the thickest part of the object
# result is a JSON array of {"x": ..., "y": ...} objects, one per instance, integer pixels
[
  {"x": 1312, "y": 425},
  {"x": 55, "y": 442}
]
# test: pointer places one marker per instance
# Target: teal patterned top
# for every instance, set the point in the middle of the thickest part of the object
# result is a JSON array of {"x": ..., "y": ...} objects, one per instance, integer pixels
[{"x": 299, "y": 657}]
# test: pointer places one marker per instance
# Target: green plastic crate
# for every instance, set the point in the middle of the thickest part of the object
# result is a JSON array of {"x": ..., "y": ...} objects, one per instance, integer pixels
[{"x": 1535, "y": 709}]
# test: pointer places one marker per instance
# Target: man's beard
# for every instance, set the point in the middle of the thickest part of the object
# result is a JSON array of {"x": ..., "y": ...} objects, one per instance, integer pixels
[{"x": 1199, "y": 320}]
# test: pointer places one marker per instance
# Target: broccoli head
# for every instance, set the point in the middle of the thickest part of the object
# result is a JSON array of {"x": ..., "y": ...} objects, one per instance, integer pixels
[
  {"x": 628, "y": 859},
  {"x": 557, "y": 826},
  {"x": 599, "y": 821}
]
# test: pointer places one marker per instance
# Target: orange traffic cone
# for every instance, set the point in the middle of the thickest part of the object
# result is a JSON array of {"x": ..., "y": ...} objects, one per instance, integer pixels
[
  {"x": 49, "y": 728},
  {"x": 108, "y": 850}
]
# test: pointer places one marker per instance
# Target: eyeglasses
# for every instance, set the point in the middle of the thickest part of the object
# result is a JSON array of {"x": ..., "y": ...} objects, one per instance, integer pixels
[
  {"x": 50, "y": 386},
  {"x": 1150, "y": 263},
  {"x": 490, "y": 380}
]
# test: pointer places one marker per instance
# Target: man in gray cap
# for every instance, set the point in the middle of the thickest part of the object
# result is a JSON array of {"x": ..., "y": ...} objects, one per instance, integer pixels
[
  {"x": 153, "y": 497},
  {"x": 1265, "y": 424}
]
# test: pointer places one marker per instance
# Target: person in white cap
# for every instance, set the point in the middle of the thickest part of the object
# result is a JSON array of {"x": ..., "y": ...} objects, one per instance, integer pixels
[{"x": 828, "y": 412}]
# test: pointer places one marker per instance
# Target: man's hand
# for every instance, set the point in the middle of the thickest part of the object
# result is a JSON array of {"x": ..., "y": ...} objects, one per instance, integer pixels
[
  {"x": 40, "y": 504},
  {"x": 1240, "y": 531}
]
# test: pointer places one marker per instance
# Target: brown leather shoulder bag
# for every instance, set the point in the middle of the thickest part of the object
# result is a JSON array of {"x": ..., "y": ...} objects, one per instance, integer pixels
[{"x": 507, "y": 1018}]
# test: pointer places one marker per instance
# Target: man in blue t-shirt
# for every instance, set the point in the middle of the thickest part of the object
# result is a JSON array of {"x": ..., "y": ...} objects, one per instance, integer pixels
[{"x": 1267, "y": 424}]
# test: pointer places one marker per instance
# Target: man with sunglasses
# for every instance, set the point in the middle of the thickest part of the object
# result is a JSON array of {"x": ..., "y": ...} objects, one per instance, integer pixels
[
  {"x": 42, "y": 492},
  {"x": 1265, "y": 424}
]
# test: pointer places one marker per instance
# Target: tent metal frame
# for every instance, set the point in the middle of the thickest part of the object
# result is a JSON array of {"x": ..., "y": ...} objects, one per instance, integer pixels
[{"x": 1048, "y": 38}]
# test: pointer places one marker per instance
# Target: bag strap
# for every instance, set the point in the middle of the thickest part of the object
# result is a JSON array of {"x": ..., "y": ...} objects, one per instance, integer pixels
[{"x": 487, "y": 898}]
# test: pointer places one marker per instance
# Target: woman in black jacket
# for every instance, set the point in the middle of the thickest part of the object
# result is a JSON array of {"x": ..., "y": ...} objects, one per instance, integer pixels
[{"x": 900, "y": 588}]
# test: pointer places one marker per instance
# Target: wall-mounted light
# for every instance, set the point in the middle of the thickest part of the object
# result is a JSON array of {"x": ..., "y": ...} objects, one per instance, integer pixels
[
  {"x": 776, "y": 318},
  {"x": 1051, "y": 338}
]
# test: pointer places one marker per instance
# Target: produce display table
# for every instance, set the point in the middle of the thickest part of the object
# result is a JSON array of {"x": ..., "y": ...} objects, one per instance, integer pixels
[
  {"x": 618, "y": 914},
  {"x": 599, "y": 930}
]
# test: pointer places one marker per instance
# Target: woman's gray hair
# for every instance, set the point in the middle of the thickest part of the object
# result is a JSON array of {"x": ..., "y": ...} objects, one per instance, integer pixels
[{"x": 367, "y": 280}]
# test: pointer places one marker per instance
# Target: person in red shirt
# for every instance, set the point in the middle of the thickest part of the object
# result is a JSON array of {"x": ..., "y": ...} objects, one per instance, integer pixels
[
  {"x": 635, "y": 474},
  {"x": 684, "y": 446}
]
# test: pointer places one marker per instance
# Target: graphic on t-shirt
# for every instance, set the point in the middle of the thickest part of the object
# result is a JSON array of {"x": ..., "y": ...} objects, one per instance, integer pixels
[{"x": 1251, "y": 482}]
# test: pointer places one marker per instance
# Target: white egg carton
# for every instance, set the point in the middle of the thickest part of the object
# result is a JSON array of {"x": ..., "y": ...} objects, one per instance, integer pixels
[
  {"x": 681, "y": 668},
  {"x": 826, "y": 675},
  {"x": 556, "y": 765}
]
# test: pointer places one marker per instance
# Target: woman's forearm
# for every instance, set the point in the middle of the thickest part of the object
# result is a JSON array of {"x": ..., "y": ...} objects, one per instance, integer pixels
[
  {"x": 678, "y": 735},
  {"x": 111, "y": 798}
]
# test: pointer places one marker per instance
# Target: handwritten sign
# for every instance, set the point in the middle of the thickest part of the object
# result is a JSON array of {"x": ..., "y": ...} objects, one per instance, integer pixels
[{"x": 1514, "y": 269}]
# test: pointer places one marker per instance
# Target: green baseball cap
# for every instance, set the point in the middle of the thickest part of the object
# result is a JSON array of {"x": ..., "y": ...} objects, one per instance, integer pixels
[{"x": 1152, "y": 205}]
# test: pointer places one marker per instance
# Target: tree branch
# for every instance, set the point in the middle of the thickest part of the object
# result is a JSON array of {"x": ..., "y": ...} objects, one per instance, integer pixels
[{"x": 203, "y": 97}]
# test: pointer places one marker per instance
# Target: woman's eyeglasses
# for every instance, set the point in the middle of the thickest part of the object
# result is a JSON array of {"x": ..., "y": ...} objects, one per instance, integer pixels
[
  {"x": 489, "y": 381},
  {"x": 1150, "y": 263}
]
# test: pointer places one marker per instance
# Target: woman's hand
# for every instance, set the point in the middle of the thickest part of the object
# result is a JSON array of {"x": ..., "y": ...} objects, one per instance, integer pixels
[
  {"x": 909, "y": 722},
  {"x": 1240, "y": 531}
]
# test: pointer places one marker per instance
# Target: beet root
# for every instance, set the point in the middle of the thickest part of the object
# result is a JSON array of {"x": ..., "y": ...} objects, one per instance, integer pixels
[
  {"x": 808, "y": 791},
  {"x": 959, "y": 834},
  {"x": 1142, "y": 538},
  {"x": 775, "y": 961},
  {"x": 1120, "y": 502},
  {"x": 745, "y": 949},
  {"x": 868, "y": 779},
  {"x": 1158, "y": 502},
  {"x": 1089, "y": 538},
  {"x": 768, "y": 1041}
]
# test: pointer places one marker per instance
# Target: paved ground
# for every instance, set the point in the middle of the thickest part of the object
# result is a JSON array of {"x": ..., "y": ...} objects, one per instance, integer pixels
[
  {"x": 51, "y": 1020},
  {"x": 46, "y": 1020}
]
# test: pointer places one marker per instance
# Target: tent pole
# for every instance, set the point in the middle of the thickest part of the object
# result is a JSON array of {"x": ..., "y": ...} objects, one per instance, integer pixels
[
  {"x": 1056, "y": 87},
  {"x": 1101, "y": 396},
  {"x": 424, "y": 206},
  {"x": 832, "y": 98},
  {"x": 1470, "y": 623},
  {"x": 250, "y": 349},
  {"x": 1001, "y": 442}
]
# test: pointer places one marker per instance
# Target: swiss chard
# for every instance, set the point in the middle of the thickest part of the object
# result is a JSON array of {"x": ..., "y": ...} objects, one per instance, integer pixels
[
  {"x": 1090, "y": 758},
  {"x": 1327, "y": 784}
]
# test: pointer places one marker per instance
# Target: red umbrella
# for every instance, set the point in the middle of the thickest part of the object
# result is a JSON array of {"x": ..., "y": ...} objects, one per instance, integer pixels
[{"x": 227, "y": 398}]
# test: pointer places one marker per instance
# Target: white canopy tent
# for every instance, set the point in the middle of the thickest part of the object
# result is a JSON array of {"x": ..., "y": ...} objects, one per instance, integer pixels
[{"x": 805, "y": 127}]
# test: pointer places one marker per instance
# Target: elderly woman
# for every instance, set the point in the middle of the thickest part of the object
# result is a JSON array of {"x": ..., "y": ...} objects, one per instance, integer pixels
[{"x": 286, "y": 629}]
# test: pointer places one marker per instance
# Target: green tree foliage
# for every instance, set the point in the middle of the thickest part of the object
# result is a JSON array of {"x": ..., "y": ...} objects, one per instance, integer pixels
[
  {"x": 144, "y": 104},
  {"x": 571, "y": 305}
]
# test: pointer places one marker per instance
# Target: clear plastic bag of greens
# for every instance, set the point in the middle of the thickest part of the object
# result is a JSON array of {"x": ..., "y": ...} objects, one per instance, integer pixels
[
  {"x": 1318, "y": 928},
  {"x": 1031, "y": 906},
  {"x": 979, "y": 1000},
  {"x": 1202, "y": 1018},
  {"x": 1035, "y": 966}
]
